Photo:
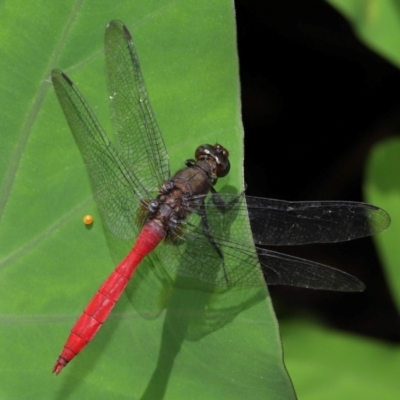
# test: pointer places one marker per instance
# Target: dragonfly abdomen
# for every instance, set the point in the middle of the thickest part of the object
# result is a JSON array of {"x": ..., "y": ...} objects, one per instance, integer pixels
[{"x": 106, "y": 297}]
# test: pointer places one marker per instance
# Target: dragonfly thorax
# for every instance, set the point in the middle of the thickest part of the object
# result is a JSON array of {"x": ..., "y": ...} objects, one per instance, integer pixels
[{"x": 186, "y": 190}]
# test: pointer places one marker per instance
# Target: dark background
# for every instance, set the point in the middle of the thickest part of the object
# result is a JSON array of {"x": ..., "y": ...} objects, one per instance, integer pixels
[{"x": 315, "y": 100}]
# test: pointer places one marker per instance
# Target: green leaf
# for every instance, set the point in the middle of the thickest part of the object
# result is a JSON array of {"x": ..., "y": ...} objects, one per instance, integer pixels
[
  {"x": 211, "y": 344},
  {"x": 326, "y": 364},
  {"x": 382, "y": 186},
  {"x": 376, "y": 23}
]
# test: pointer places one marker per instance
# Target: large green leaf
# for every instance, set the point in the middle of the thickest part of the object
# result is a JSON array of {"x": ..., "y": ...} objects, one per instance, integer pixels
[{"x": 209, "y": 345}]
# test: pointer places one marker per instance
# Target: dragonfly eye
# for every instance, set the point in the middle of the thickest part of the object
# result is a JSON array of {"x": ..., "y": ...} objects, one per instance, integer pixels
[{"x": 219, "y": 154}]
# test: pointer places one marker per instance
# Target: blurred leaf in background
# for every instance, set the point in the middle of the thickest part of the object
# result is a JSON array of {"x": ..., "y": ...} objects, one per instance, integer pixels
[{"x": 329, "y": 364}]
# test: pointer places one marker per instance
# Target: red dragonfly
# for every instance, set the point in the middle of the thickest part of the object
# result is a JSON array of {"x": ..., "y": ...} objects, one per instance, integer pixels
[{"x": 208, "y": 232}]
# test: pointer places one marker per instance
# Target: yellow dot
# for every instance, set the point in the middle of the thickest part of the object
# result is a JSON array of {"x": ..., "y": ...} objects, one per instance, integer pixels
[{"x": 88, "y": 220}]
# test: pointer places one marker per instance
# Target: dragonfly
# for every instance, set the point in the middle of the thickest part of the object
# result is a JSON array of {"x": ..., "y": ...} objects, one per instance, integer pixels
[{"x": 195, "y": 231}]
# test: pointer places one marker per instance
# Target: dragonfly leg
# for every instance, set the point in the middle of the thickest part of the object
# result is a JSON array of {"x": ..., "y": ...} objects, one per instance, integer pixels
[
  {"x": 223, "y": 205},
  {"x": 214, "y": 244}
]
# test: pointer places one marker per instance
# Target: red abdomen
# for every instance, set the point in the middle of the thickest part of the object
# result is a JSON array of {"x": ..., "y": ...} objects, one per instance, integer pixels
[{"x": 110, "y": 291}]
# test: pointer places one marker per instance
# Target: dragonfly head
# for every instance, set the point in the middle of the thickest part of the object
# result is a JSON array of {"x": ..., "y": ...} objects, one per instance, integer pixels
[{"x": 218, "y": 154}]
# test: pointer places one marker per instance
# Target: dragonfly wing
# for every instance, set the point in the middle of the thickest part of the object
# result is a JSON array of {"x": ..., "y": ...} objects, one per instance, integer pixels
[
  {"x": 222, "y": 253},
  {"x": 230, "y": 229},
  {"x": 135, "y": 126},
  {"x": 116, "y": 189},
  {"x": 277, "y": 222},
  {"x": 281, "y": 269},
  {"x": 219, "y": 251},
  {"x": 199, "y": 259}
]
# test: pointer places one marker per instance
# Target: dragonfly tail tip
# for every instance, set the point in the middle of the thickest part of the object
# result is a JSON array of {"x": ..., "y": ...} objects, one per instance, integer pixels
[{"x": 59, "y": 365}]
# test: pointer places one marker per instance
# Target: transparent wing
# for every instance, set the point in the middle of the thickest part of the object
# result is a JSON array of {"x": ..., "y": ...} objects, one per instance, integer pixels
[
  {"x": 277, "y": 222},
  {"x": 223, "y": 253},
  {"x": 116, "y": 189},
  {"x": 135, "y": 126},
  {"x": 281, "y": 269}
]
